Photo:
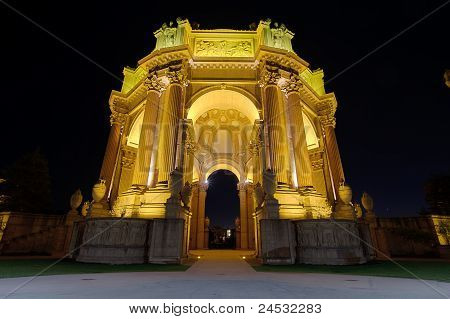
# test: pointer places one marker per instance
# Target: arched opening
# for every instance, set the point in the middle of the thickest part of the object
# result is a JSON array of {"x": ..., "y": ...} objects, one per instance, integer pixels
[{"x": 222, "y": 209}]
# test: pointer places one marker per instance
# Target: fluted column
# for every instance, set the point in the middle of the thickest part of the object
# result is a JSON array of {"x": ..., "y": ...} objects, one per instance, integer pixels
[
  {"x": 273, "y": 120},
  {"x": 242, "y": 187},
  {"x": 146, "y": 140},
  {"x": 332, "y": 150},
  {"x": 297, "y": 127},
  {"x": 112, "y": 150},
  {"x": 194, "y": 219},
  {"x": 201, "y": 215},
  {"x": 172, "y": 111},
  {"x": 250, "y": 220}
]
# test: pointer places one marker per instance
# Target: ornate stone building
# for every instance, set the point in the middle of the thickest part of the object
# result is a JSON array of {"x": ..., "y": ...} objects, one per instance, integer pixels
[{"x": 238, "y": 100}]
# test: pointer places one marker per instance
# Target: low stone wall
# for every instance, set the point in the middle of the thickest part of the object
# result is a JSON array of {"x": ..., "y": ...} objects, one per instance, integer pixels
[
  {"x": 410, "y": 236},
  {"x": 130, "y": 241},
  {"x": 315, "y": 241},
  {"x": 32, "y": 234}
]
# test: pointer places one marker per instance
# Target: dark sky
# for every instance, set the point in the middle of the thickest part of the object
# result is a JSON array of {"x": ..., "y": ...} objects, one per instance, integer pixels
[
  {"x": 393, "y": 107},
  {"x": 222, "y": 200}
]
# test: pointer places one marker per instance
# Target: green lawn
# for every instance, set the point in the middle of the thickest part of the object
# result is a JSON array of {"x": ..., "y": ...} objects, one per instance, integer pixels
[
  {"x": 433, "y": 270},
  {"x": 30, "y": 267}
]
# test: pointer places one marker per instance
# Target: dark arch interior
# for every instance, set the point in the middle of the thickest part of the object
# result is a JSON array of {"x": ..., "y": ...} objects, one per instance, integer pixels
[{"x": 222, "y": 208}]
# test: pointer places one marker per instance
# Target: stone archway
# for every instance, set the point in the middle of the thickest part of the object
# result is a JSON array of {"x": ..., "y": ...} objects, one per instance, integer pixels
[
  {"x": 223, "y": 210},
  {"x": 222, "y": 124}
]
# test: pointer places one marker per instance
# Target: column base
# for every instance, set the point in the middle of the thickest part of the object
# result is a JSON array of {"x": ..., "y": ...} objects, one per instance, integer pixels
[{"x": 277, "y": 242}]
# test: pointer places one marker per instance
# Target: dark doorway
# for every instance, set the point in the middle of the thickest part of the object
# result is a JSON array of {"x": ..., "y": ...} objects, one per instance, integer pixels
[{"x": 222, "y": 208}]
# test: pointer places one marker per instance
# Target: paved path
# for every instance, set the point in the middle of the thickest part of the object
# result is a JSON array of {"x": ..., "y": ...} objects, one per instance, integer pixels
[{"x": 224, "y": 275}]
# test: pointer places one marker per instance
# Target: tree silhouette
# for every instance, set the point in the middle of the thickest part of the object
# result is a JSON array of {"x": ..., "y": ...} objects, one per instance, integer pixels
[{"x": 25, "y": 185}]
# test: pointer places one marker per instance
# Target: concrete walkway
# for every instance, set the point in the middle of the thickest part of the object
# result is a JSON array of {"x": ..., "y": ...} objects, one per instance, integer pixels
[{"x": 223, "y": 274}]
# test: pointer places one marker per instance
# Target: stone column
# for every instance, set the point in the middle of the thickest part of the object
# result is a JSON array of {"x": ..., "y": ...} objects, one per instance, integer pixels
[
  {"x": 242, "y": 187},
  {"x": 273, "y": 121},
  {"x": 297, "y": 127},
  {"x": 194, "y": 219},
  {"x": 334, "y": 158},
  {"x": 112, "y": 149},
  {"x": 172, "y": 112},
  {"x": 250, "y": 218},
  {"x": 203, "y": 187},
  {"x": 146, "y": 140}
]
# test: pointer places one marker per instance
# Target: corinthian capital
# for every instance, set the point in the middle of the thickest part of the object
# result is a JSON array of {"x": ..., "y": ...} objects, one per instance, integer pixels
[
  {"x": 327, "y": 119},
  {"x": 242, "y": 187},
  {"x": 269, "y": 76},
  {"x": 293, "y": 84},
  {"x": 118, "y": 118},
  {"x": 153, "y": 83},
  {"x": 177, "y": 76}
]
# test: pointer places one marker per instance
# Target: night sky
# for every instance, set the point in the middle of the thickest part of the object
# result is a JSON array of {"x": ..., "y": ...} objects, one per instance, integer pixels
[
  {"x": 393, "y": 114},
  {"x": 222, "y": 200}
]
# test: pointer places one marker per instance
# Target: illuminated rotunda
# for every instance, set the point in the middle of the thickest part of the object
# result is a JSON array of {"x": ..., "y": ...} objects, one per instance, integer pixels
[{"x": 236, "y": 100}]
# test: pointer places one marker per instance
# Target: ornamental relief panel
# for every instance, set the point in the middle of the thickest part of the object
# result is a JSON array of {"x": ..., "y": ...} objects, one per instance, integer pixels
[{"x": 224, "y": 48}]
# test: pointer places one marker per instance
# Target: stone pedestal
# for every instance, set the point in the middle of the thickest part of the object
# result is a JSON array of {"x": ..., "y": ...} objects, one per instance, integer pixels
[
  {"x": 270, "y": 209},
  {"x": 344, "y": 211},
  {"x": 99, "y": 209},
  {"x": 277, "y": 241},
  {"x": 174, "y": 209},
  {"x": 114, "y": 241},
  {"x": 132, "y": 241},
  {"x": 166, "y": 241}
]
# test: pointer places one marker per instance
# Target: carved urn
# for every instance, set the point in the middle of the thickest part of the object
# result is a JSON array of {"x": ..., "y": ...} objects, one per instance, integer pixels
[
  {"x": 345, "y": 194},
  {"x": 367, "y": 202},
  {"x": 76, "y": 199},
  {"x": 99, "y": 190},
  {"x": 269, "y": 183}
]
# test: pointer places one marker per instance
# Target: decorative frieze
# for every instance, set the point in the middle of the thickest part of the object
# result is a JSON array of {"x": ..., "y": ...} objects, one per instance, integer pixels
[{"x": 223, "y": 48}]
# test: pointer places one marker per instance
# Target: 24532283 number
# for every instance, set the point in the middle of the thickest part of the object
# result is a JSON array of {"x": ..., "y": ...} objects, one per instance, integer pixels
[{"x": 290, "y": 308}]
